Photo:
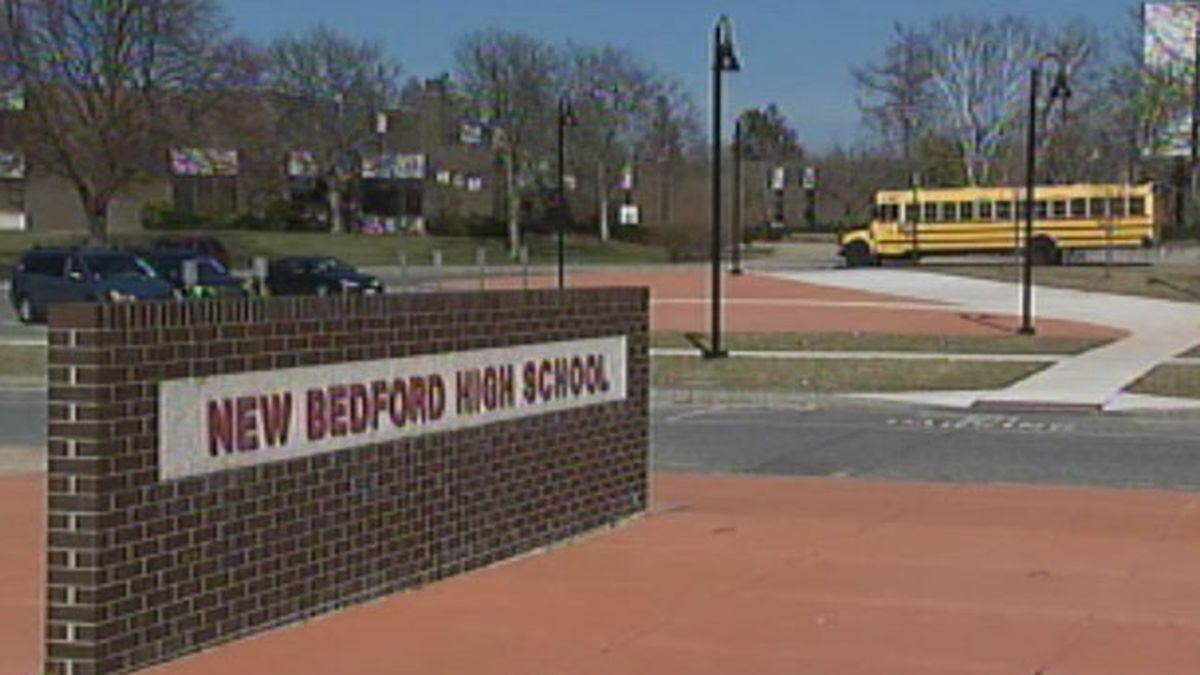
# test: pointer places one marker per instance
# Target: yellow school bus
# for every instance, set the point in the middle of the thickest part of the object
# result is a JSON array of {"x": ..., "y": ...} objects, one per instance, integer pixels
[{"x": 954, "y": 221}]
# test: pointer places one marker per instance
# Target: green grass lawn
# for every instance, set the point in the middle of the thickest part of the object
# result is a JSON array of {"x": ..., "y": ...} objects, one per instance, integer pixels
[
  {"x": 1169, "y": 282},
  {"x": 22, "y": 363},
  {"x": 1171, "y": 380},
  {"x": 368, "y": 250},
  {"x": 868, "y": 342},
  {"x": 849, "y": 376}
]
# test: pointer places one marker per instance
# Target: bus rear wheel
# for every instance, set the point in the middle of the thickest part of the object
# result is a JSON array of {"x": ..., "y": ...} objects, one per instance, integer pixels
[
  {"x": 1046, "y": 252},
  {"x": 858, "y": 254}
]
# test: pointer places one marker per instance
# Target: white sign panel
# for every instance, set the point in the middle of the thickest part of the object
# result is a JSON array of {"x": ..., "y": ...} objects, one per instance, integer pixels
[
  {"x": 630, "y": 214},
  {"x": 225, "y": 422}
]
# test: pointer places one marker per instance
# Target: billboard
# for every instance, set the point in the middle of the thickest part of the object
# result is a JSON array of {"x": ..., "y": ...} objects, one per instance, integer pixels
[
  {"x": 394, "y": 166},
  {"x": 1169, "y": 56},
  {"x": 204, "y": 162}
]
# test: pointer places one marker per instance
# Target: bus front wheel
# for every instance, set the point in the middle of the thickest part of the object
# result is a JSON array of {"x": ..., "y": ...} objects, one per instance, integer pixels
[
  {"x": 858, "y": 254},
  {"x": 1046, "y": 252}
]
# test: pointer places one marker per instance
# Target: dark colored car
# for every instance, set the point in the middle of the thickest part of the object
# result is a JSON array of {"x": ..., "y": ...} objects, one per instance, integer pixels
[
  {"x": 45, "y": 276},
  {"x": 198, "y": 244},
  {"x": 318, "y": 275},
  {"x": 213, "y": 279}
]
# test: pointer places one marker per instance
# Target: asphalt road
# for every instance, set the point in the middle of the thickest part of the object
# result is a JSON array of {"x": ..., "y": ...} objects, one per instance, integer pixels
[
  {"x": 22, "y": 430},
  {"x": 890, "y": 444},
  {"x": 937, "y": 446}
]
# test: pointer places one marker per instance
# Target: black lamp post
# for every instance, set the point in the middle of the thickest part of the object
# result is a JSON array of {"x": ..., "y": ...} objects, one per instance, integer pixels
[
  {"x": 737, "y": 198},
  {"x": 566, "y": 118},
  {"x": 725, "y": 60},
  {"x": 1060, "y": 90}
]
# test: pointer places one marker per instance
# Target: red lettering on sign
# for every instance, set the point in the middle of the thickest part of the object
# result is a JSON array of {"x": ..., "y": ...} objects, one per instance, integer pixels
[
  {"x": 507, "y": 384},
  {"x": 417, "y": 413},
  {"x": 359, "y": 408},
  {"x": 247, "y": 424},
  {"x": 577, "y": 376},
  {"x": 339, "y": 411},
  {"x": 562, "y": 381},
  {"x": 316, "y": 415},
  {"x": 276, "y": 414},
  {"x": 545, "y": 385},
  {"x": 437, "y": 398},
  {"x": 220, "y": 427},
  {"x": 601, "y": 374},
  {"x": 529, "y": 375},
  {"x": 379, "y": 401},
  {"x": 397, "y": 409}
]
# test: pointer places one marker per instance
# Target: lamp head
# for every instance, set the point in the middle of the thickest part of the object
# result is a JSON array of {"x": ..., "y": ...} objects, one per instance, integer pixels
[{"x": 726, "y": 55}]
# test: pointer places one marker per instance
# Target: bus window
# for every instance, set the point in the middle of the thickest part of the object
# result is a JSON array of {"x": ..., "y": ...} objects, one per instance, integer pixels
[
  {"x": 949, "y": 212},
  {"x": 1058, "y": 210},
  {"x": 985, "y": 210},
  {"x": 931, "y": 212},
  {"x": 1137, "y": 206},
  {"x": 1079, "y": 208},
  {"x": 966, "y": 211},
  {"x": 1004, "y": 210},
  {"x": 889, "y": 213},
  {"x": 1116, "y": 207},
  {"x": 1039, "y": 209},
  {"x": 1099, "y": 208}
]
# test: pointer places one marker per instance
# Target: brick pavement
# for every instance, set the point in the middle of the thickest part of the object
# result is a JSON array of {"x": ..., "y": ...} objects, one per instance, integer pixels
[{"x": 763, "y": 575}]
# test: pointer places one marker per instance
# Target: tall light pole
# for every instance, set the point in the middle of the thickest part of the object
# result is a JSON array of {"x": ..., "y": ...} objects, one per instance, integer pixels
[
  {"x": 736, "y": 229},
  {"x": 1060, "y": 90},
  {"x": 725, "y": 60},
  {"x": 566, "y": 118}
]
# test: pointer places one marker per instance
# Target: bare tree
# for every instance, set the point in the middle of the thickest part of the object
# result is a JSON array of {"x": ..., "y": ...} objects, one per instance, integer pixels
[
  {"x": 979, "y": 73},
  {"x": 625, "y": 109},
  {"x": 511, "y": 82},
  {"x": 100, "y": 79},
  {"x": 330, "y": 88},
  {"x": 895, "y": 96}
]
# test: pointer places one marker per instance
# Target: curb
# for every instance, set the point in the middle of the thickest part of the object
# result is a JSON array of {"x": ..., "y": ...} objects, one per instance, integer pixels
[{"x": 1036, "y": 407}]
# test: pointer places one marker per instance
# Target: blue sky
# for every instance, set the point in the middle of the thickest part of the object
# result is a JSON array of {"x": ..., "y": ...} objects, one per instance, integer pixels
[{"x": 796, "y": 53}]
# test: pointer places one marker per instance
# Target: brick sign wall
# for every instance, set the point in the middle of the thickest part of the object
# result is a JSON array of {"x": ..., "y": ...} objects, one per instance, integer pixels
[{"x": 159, "y": 546}]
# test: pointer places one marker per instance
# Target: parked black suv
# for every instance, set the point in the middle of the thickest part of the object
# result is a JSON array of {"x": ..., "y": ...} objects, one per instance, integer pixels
[
  {"x": 45, "y": 276},
  {"x": 318, "y": 275},
  {"x": 213, "y": 280},
  {"x": 197, "y": 244}
]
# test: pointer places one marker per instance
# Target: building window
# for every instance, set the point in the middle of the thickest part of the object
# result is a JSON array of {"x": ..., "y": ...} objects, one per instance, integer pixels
[
  {"x": 204, "y": 180},
  {"x": 210, "y": 195}
]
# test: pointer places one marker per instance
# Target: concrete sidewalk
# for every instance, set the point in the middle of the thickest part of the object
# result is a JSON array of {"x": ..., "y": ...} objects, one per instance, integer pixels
[
  {"x": 758, "y": 575},
  {"x": 1159, "y": 330}
]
